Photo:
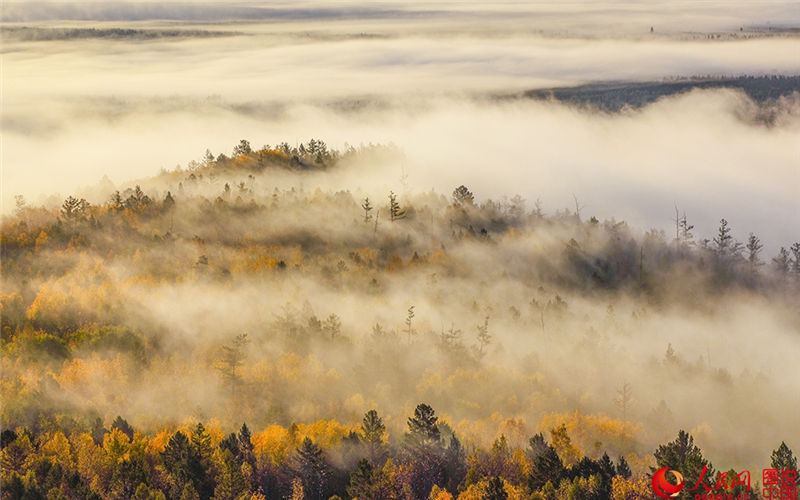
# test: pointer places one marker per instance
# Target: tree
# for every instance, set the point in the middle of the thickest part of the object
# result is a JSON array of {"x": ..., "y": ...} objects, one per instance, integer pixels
[
  {"x": 313, "y": 470},
  {"x": 623, "y": 469},
  {"x": 372, "y": 483},
  {"x": 462, "y": 197},
  {"x": 686, "y": 231},
  {"x": 754, "y": 247},
  {"x": 422, "y": 452},
  {"x": 19, "y": 205},
  {"x": 423, "y": 423},
  {"x": 484, "y": 338},
  {"x": 332, "y": 326},
  {"x": 409, "y": 317},
  {"x": 450, "y": 339},
  {"x": 559, "y": 438},
  {"x": 536, "y": 446},
  {"x": 121, "y": 424},
  {"x": 169, "y": 201},
  {"x": 232, "y": 358},
  {"x": 183, "y": 461},
  {"x": 361, "y": 483},
  {"x": 623, "y": 399},
  {"x": 683, "y": 234},
  {"x": 547, "y": 467},
  {"x": 578, "y": 208},
  {"x": 245, "y": 445},
  {"x": 116, "y": 202},
  {"x": 607, "y": 473},
  {"x": 724, "y": 244},
  {"x": 495, "y": 490},
  {"x": 639, "y": 488},
  {"x": 202, "y": 441},
  {"x": 795, "y": 248},
  {"x": 373, "y": 431},
  {"x": 367, "y": 209},
  {"x": 208, "y": 158},
  {"x": 231, "y": 483},
  {"x": 243, "y": 148},
  {"x": 783, "y": 458},
  {"x": 782, "y": 262},
  {"x": 455, "y": 465},
  {"x": 137, "y": 200},
  {"x": 73, "y": 208},
  {"x": 395, "y": 212},
  {"x": 682, "y": 455}
]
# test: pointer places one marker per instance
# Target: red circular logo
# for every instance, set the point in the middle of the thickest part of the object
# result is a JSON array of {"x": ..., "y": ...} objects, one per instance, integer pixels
[{"x": 664, "y": 488}]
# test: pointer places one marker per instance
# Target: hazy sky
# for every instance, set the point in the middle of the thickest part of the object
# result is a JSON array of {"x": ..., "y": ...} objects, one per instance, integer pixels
[{"x": 75, "y": 110}]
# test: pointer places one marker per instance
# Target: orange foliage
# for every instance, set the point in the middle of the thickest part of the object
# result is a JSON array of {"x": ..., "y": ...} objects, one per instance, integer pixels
[
  {"x": 88, "y": 456},
  {"x": 158, "y": 443},
  {"x": 57, "y": 448},
  {"x": 325, "y": 433},
  {"x": 252, "y": 265},
  {"x": 635, "y": 488},
  {"x": 586, "y": 430},
  {"x": 273, "y": 443},
  {"x": 116, "y": 445},
  {"x": 41, "y": 240},
  {"x": 90, "y": 377}
]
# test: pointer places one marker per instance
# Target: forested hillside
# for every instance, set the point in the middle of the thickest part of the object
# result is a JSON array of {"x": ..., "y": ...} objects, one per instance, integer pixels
[{"x": 245, "y": 328}]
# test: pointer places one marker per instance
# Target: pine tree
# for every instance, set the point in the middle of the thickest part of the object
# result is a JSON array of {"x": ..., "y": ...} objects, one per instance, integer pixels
[
  {"x": 484, "y": 338},
  {"x": 367, "y": 209},
  {"x": 183, "y": 461},
  {"x": 332, "y": 326},
  {"x": 313, "y": 470},
  {"x": 208, "y": 158},
  {"x": 243, "y": 148},
  {"x": 724, "y": 244},
  {"x": 409, "y": 329},
  {"x": 395, "y": 212},
  {"x": 423, "y": 423},
  {"x": 463, "y": 197},
  {"x": 623, "y": 469},
  {"x": 795, "y": 248},
  {"x": 121, "y": 424},
  {"x": 455, "y": 465},
  {"x": 537, "y": 446},
  {"x": 783, "y": 458},
  {"x": 495, "y": 490},
  {"x": 245, "y": 445},
  {"x": 623, "y": 399},
  {"x": 607, "y": 473},
  {"x": 686, "y": 231},
  {"x": 232, "y": 358},
  {"x": 782, "y": 262},
  {"x": 231, "y": 483},
  {"x": 754, "y": 247},
  {"x": 74, "y": 208},
  {"x": 547, "y": 467},
  {"x": 116, "y": 202},
  {"x": 422, "y": 453},
  {"x": 169, "y": 201},
  {"x": 373, "y": 431},
  {"x": 361, "y": 481},
  {"x": 682, "y": 455}
]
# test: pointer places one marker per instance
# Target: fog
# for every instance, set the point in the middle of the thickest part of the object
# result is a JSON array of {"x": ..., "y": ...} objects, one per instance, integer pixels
[
  {"x": 104, "y": 96},
  {"x": 75, "y": 110}
]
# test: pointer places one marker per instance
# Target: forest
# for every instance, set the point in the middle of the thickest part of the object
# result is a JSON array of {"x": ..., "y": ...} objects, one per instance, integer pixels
[
  {"x": 615, "y": 96},
  {"x": 247, "y": 327}
]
